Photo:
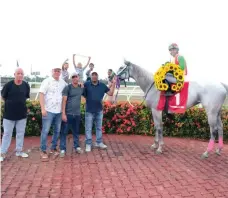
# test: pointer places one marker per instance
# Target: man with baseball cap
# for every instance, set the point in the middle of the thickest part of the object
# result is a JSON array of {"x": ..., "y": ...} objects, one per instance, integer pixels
[
  {"x": 51, "y": 106},
  {"x": 71, "y": 113},
  {"x": 94, "y": 92}
]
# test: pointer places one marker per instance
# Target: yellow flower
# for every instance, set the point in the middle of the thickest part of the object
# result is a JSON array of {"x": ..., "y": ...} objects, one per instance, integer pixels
[
  {"x": 156, "y": 75},
  {"x": 165, "y": 86},
  {"x": 160, "y": 87},
  {"x": 176, "y": 74},
  {"x": 177, "y": 89},
  {"x": 181, "y": 72},
  {"x": 180, "y": 78},
  {"x": 156, "y": 78},
  {"x": 162, "y": 77},
  {"x": 166, "y": 68},
  {"x": 179, "y": 85},
  {"x": 175, "y": 67},
  {"x": 171, "y": 67},
  {"x": 174, "y": 87},
  {"x": 168, "y": 65}
]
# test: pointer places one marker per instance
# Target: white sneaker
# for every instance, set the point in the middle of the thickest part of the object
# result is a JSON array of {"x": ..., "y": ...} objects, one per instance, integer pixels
[
  {"x": 88, "y": 148},
  {"x": 79, "y": 150},
  {"x": 2, "y": 157},
  {"x": 100, "y": 145},
  {"x": 62, "y": 153},
  {"x": 21, "y": 154}
]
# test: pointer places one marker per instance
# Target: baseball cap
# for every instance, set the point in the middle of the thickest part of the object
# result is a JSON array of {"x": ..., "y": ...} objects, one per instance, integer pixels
[
  {"x": 73, "y": 74},
  {"x": 57, "y": 68},
  {"x": 94, "y": 72}
]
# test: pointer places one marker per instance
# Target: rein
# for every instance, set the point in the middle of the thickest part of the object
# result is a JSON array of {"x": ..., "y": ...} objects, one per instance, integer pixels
[{"x": 118, "y": 86}]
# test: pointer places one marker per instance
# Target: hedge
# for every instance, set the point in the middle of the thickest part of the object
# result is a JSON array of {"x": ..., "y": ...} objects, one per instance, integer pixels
[{"x": 124, "y": 119}]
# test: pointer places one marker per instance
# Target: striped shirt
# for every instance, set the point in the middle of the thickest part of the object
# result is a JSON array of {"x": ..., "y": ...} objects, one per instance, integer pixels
[
  {"x": 80, "y": 72},
  {"x": 65, "y": 76}
]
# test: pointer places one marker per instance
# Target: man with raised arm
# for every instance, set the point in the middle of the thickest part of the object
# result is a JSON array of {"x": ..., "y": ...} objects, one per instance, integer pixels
[{"x": 79, "y": 68}]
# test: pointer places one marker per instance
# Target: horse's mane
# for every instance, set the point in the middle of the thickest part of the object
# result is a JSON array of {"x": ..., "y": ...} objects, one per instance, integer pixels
[{"x": 142, "y": 73}]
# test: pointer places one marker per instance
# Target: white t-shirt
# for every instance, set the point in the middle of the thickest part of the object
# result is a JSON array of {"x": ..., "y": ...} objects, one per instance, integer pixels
[{"x": 52, "y": 90}]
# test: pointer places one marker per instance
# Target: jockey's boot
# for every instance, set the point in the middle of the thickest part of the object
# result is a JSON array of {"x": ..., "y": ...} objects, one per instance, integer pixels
[{"x": 169, "y": 91}]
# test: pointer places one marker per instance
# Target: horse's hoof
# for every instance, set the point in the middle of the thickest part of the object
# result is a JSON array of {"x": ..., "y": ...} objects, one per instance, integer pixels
[
  {"x": 204, "y": 155},
  {"x": 158, "y": 151},
  {"x": 218, "y": 152},
  {"x": 153, "y": 146}
]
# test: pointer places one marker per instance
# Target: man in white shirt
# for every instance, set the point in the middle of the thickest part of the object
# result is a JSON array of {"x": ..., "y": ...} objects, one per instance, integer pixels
[{"x": 51, "y": 104}]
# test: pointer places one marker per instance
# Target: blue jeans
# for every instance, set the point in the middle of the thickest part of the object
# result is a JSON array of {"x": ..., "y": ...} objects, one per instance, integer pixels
[
  {"x": 73, "y": 121},
  {"x": 8, "y": 126},
  {"x": 89, "y": 119},
  {"x": 47, "y": 121}
]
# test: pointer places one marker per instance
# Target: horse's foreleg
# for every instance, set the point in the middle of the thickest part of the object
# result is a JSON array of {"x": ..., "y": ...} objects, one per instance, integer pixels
[
  {"x": 158, "y": 143},
  {"x": 220, "y": 136},
  {"x": 212, "y": 119},
  {"x": 155, "y": 144}
]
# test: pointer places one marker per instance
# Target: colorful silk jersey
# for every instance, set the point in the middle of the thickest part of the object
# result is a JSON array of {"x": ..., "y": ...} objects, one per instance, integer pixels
[{"x": 179, "y": 60}]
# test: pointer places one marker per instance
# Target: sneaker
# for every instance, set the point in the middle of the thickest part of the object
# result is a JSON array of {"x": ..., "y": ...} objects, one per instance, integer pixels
[
  {"x": 54, "y": 152},
  {"x": 62, "y": 153},
  {"x": 79, "y": 150},
  {"x": 100, "y": 145},
  {"x": 2, "y": 157},
  {"x": 43, "y": 155},
  {"x": 88, "y": 148},
  {"x": 21, "y": 154}
]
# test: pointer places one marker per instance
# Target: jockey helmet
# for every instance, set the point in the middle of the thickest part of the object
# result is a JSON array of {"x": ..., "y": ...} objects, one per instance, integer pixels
[{"x": 173, "y": 46}]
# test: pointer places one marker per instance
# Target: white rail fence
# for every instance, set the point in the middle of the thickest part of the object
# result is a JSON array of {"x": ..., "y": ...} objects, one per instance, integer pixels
[{"x": 125, "y": 93}]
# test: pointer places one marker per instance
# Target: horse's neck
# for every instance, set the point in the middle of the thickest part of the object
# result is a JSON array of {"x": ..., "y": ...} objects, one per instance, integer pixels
[{"x": 142, "y": 77}]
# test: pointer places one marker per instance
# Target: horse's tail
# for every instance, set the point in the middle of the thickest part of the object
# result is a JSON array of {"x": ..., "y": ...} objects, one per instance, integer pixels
[{"x": 226, "y": 87}]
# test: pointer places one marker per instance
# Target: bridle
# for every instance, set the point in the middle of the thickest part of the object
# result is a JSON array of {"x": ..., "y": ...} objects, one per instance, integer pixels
[{"x": 125, "y": 70}]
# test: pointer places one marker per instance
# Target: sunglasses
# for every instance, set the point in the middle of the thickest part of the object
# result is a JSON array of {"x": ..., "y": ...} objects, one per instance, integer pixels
[
  {"x": 172, "y": 49},
  {"x": 74, "y": 77}
]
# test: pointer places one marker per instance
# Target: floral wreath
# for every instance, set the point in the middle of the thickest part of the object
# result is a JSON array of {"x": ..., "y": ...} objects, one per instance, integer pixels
[{"x": 174, "y": 69}]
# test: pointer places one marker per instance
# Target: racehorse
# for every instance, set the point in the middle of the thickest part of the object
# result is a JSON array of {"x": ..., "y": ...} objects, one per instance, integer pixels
[{"x": 211, "y": 95}]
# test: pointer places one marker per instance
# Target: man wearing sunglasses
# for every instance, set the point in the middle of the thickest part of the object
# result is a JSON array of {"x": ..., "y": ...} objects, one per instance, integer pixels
[
  {"x": 71, "y": 113},
  {"x": 51, "y": 107}
]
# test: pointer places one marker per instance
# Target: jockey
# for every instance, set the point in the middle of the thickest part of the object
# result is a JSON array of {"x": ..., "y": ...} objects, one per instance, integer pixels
[{"x": 178, "y": 60}]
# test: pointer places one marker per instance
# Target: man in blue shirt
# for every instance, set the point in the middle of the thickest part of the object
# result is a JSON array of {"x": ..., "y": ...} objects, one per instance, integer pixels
[{"x": 94, "y": 93}]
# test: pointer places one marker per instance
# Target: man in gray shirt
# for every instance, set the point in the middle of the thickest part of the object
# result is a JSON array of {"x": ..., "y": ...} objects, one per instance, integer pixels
[{"x": 71, "y": 113}]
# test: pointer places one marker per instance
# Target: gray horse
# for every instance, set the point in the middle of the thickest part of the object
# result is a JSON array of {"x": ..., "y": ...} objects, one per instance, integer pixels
[{"x": 211, "y": 95}]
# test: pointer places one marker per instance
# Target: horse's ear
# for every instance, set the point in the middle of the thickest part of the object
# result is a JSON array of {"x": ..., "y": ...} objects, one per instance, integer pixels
[{"x": 127, "y": 62}]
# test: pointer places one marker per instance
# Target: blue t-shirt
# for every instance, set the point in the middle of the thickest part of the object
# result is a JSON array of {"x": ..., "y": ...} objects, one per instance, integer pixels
[{"x": 94, "y": 95}]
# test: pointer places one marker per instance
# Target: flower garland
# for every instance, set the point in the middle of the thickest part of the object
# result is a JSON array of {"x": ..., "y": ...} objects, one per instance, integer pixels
[{"x": 174, "y": 69}]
